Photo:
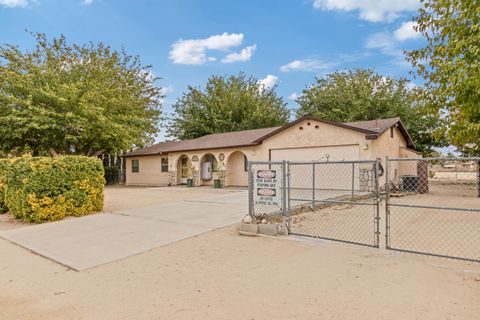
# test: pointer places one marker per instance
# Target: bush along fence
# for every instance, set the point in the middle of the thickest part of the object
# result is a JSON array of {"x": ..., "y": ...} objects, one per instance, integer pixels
[{"x": 38, "y": 189}]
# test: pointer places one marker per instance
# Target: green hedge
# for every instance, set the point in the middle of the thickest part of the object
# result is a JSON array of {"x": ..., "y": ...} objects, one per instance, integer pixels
[
  {"x": 42, "y": 189},
  {"x": 3, "y": 172}
]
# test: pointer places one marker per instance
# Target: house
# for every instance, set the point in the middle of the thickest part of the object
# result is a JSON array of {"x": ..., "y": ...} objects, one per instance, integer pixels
[{"x": 226, "y": 154}]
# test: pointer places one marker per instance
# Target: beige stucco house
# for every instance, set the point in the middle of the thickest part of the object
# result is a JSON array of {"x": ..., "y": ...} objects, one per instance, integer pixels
[{"x": 224, "y": 155}]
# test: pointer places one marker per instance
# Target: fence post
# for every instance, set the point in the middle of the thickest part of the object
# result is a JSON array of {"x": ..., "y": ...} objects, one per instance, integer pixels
[
  {"x": 353, "y": 181},
  {"x": 313, "y": 185},
  {"x": 478, "y": 179},
  {"x": 284, "y": 188},
  {"x": 250, "y": 191},
  {"x": 387, "y": 199},
  {"x": 377, "y": 202},
  {"x": 289, "y": 205}
]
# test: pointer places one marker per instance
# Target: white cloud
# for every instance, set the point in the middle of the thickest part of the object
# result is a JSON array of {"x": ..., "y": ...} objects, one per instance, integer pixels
[
  {"x": 244, "y": 55},
  {"x": 167, "y": 89},
  {"x": 87, "y": 2},
  {"x": 269, "y": 82},
  {"x": 388, "y": 45},
  {"x": 13, "y": 3},
  {"x": 407, "y": 31},
  {"x": 380, "y": 40},
  {"x": 370, "y": 10},
  {"x": 293, "y": 96},
  {"x": 194, "y": 51},
  {"x": 307, "y": 65}
]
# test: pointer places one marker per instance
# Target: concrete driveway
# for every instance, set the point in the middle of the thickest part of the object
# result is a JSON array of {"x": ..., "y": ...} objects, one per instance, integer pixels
[{"x": 135, "y": 220}]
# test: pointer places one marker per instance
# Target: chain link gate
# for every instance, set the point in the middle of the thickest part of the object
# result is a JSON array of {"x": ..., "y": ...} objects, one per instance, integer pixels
[
  {"x": 433, "y": 206},
  {"x": 333, "y": 200}
]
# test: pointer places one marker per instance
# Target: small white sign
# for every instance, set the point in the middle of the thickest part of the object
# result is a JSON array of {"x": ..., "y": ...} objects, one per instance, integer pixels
[{"x": 266, "y": 189}]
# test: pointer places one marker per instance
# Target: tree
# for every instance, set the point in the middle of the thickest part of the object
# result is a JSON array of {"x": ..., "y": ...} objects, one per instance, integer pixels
[
  {"x": 227, "y": 104},
  {"x": 72, "y": 99},
  {"x": 356, "y": 95},
  {"x": 450, "y": 65}
]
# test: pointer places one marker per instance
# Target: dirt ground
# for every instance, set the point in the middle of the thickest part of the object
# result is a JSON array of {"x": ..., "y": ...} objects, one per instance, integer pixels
[
  {"x": 221, "y": 275},
  {"x": 444, "y": 232}
]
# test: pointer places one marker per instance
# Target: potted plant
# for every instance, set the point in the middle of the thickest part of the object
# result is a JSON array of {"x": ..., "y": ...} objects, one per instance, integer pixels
[{"x": 219, "y": 178}]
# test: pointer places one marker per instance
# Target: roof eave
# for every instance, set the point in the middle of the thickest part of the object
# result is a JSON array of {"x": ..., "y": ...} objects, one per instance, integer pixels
[{"x": 193, "y": 149}]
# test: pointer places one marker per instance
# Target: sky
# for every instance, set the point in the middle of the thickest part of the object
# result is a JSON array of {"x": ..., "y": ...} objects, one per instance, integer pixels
[{"x": 282, "y": 43}]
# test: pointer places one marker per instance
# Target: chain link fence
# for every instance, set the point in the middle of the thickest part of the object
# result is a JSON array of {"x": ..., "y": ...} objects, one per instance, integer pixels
[
  {"x": 330, "y": 200},
  {"x": 433, "y": 206}
]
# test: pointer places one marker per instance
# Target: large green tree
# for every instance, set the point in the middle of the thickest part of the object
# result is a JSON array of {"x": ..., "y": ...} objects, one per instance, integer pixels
[
  {"x": 450, "y": 65},
  {"x": 356, "y": 95},
  {"x": 74, "y": 99},
  {"x": 227, "y": 104}
]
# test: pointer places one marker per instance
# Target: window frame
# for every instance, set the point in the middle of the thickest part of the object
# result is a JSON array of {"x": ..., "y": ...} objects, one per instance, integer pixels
[
  {"x": 164, "y": 165},
  {"x": 135, "y": 168}
]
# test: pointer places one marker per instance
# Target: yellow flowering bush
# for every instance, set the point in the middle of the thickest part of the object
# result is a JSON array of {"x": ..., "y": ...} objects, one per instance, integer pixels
[{"x": 39, "y": 189}]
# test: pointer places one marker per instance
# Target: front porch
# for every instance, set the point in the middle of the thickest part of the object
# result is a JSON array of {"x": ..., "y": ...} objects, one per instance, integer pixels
[{"x": 203, "y": 169}]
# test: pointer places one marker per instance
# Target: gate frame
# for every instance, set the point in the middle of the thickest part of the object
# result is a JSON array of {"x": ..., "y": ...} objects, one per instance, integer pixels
[
  {"x": 388, "y": 204},
  {"x": 286, "y": 208}
]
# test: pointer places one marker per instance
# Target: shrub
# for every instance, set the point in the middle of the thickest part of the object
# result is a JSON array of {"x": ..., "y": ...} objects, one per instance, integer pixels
[
  {"x": 3, "y": 172},
  {"x": 42, "y": 189}
]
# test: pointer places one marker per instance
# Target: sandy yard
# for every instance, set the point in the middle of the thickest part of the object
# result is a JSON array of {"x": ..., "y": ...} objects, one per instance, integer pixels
[
  {"x": 444, "y": 232},
  {"x": 220, "y": 275}
]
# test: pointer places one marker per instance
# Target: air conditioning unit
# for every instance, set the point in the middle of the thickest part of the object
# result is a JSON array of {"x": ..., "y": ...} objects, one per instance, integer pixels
[{"x": 409, "y": 183}]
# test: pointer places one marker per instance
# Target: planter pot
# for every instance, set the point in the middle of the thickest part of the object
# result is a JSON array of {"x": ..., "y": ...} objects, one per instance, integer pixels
[
  {"x": 217, "y": 183},
  {"x": 189, "y": 183}
]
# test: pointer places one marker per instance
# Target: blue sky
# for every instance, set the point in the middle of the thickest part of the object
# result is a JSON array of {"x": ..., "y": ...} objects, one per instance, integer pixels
[{"x": 285, "y": 43}]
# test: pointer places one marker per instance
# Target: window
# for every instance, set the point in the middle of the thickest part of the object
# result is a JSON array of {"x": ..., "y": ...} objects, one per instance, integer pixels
[
  {"x": 391, "y": 132},
  {"x": 245, "y": 163},
  {"x": 135, "y": 165},
  {"x": 164, "y": 164}
]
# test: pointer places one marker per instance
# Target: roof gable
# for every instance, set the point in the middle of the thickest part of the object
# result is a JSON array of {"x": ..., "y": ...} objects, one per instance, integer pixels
[{"x": 299, "y": 120}]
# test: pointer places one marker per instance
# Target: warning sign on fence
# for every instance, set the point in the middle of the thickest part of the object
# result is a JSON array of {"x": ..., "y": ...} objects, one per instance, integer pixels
[{"x": 266, "y": 188}]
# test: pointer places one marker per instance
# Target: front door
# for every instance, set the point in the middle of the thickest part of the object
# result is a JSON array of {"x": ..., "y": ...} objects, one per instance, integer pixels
[{"x": 184, "y": 171}]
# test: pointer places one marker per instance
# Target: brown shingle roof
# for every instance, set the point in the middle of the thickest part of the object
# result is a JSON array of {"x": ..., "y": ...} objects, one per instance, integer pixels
[
  {"x": 158, "y": 148},
  {"x": 372, "y": 128},
  {"x": 209, "y": 141},
  {"x": 379, "y": 126}
]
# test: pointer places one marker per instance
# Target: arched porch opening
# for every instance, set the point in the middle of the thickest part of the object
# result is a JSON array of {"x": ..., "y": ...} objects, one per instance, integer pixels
[
  {"x": 208, "y": 166},
  {"x": 237, "y": 169},
  {"x": 184, "y": 169}
]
